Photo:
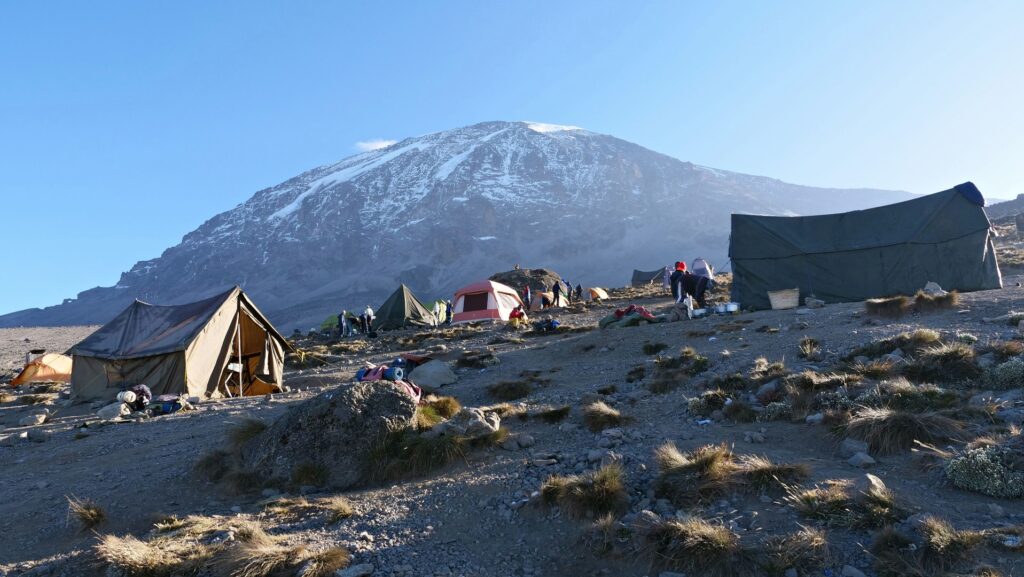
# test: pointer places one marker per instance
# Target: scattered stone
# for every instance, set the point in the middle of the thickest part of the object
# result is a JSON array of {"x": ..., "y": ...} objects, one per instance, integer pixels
[
  {"x": 363, "y": 570},
  {"x": 433, "y": 374},
  {"x": 861, "y": 460},
  {"x": 996, "y": 511},
  {"x": 753, "y": 437},
  {"x": 31, "y": 420},
  {"x": 813, "y": 303},
  {"x": 850, "y": 447},
  {"x": 526, "y": 441},
  {"x": 38, "y": 435},
  {"x": 815, "y": 419},
  {"x": 791, "y": 572},
  {"x": 851, "y": 571}
]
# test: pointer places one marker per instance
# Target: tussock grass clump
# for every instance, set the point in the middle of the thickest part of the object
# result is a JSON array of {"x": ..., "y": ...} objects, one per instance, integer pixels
[
  {"x": 764, "y": 371},
  {"x": 697, "y": 547},
  {"x": 810, "y": 349},
  {"x": 139, "y": 558},
  {"x": 948, "y": 362},
  {"x": 806, "y": 551},
  {"x": 476, "y": 359},
  {"x": 888, "y": 432},
  {"x": 292, "y": 508},
  {"x": 88, "y": 514},
  {"x": 607, "y": 390},
  {"x": 1004, "y": 350},
  {"x": 591, "y": 494},
  {"x": 890, "y": 307},
  {"x": 403, "y": 454},
  {"x": 739, "y": 412},
  {"x": 43, "y": 399},
  {"x": 510, "y": 390},
  {"x": 337, "y": 507},
  {"x": 433, "y": 410},
  {"x": 901, "y": 395},
  {"x": 650, "y": 349},
  {"x": 730, "y": 382},
  {"x": 875, "y": 369},
  {"x": 707, "y": 402},
  {"x": 553, "y": 415},
  {"x": 599, "y": 416},
  {"x": 212, "y": 465},
  {"x": 637, "y": 373},
  {"x": 924, "y": 302},
  {"x": 447, "y": 407},
  {"x": 48, "y": 388},
  {"x": 241, "y": 430},
  {"x": 832, "y": 503},
  {"x": 802, "y": 389},
  {"x": 943, "y": 549},
  {"x": 713, "y": 470},
  {"x": 310, "y": 473},
  {"x": 910, "y": 343},
  {"x": 762, "y": 474}
]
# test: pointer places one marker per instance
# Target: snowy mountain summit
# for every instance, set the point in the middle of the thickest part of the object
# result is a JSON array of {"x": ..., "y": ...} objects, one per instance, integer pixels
[{"x": 440, "y": 210}]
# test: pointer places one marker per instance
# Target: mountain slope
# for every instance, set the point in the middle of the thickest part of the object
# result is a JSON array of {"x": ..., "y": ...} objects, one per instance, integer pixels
[{"x": 440, "y": 210}]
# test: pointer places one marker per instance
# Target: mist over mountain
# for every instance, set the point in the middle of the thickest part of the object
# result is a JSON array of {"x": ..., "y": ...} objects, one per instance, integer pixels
[{"x": 444, "y": 209}]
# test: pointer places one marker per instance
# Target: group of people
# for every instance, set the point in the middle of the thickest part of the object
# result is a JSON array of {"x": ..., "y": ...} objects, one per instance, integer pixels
[
  {"x": 685, "y": 283},
  {"x": 350, "y": 325},
  {"x": 443, "y": 316},
  {"x": 562, "y": 294}
]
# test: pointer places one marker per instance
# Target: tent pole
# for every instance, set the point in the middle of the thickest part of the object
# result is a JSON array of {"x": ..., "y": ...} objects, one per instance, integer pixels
[{"x": 238, "y": 336}]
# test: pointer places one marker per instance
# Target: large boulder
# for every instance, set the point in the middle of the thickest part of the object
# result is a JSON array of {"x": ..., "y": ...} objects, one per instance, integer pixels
[
  {"x": 536, "y": 278},
  {"x": 433, "y": 374},
  {"x": 332, "y": 432}
]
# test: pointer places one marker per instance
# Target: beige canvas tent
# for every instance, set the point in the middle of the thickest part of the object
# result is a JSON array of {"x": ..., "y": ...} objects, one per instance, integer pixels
[
  {"x": 221, "y": 346},
  {"x": 48, "y": 368}
]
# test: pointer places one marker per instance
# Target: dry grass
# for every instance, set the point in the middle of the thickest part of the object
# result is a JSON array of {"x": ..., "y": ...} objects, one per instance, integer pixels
[
  {"x": 553, "y": 415},
  {"x": 910, "y": 343},
  {"x": 406, "y": 453},
  {"x": 802, "y": 388},
  {"x": 447, "y": 407},
  {"x": 943, "y": 548},
  {"x": 763, "y": 475},
  {"x": 1004, "y": 350},
  {"x": 510, "y": 390},
  {"x": 37, "y": 399},
  {"x": 309, "y": 473},
  {"x": 806, "y": 551},
  {"x": 696, "y": 547},
  {"x": 476, "y": 359},
  {"x": 637, "y": 373},
  {"x": 888, "y": 432},
  {"x": 764, "y": 371},
  {"x": 88, "y": 514},
  {"x": 924, "y": 302},
  {"x": 901, "y": 395},
  {"x": 832, "y": 503},
  {"x": 650, "y": 349},
  {"x": 739, "y": 412},
  {"x": 337, "y": 507},
  {"x": 708, "y": 402},
  {"x": 730, "y": 382},
  {"x": 241, "y": 430},
  {"x": 294, "y": 508},
  {"x": 48, "y": 388},
  {"x": 139, "y": 558},
  {"x": 712, "y": 471},
  {"x": 810, "y": 349},
  {"x": 876, "y": 369},
  {"x": 599, "y": 416},
  {"x": 890, "y": 307},
  {"x": 6, "y": 397},
  {"x": 948, "y": 362},
  {"x": 590, "y": 495}
]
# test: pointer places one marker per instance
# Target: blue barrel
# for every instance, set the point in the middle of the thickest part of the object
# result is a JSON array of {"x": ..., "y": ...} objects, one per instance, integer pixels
[{"x": 394, "y": 373}]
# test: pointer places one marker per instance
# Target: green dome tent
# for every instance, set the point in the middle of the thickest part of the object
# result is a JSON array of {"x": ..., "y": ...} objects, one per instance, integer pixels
[{"x": 401, "y": 310}]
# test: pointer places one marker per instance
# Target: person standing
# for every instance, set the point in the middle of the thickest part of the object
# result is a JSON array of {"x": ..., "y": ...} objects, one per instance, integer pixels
[
  {"x": 527, "y": 297},
  {"x": 579, "y": 292},
  {"x": 678, "y": 292},
  {"x": 448, "y": 312},
  {"x": 437, "y": 313},
  {"x": 369, "y": 319},
  {"x": 556, "y": 294},
  {"x": 343, "y": 324}
]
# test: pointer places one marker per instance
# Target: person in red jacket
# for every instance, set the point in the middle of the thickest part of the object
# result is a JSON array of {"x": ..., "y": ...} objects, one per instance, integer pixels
[{"x": 677, "y": 281}]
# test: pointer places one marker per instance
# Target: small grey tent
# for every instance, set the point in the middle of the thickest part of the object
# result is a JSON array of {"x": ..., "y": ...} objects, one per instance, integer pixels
[
  {"x": 643, "y": 278},
  {"x": 895, "y": 249},
  {"x": 219, "y": 346},
  {"x": 402, "y": 309}
]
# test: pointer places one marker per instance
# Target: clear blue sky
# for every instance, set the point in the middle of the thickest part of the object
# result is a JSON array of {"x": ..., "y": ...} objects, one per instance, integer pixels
[{"x": 124, "y": 125}]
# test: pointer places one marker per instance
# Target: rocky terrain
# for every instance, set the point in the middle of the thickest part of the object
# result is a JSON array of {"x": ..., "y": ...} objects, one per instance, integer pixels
[
  {"x": 484, "y": 512},
  {"x": 435, "y": 211}
]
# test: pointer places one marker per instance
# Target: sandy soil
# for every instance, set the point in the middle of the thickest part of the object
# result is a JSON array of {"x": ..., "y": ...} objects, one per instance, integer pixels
[{"x": 477, "y": 517}]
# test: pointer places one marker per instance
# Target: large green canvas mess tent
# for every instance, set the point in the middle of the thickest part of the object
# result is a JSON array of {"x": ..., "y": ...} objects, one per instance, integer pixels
[
  {"x": 402, "y": 309},
  {"x": 643, "y": 278},
  {"x": 219, "y": 346},
  {"x": 944, "y": 237}
]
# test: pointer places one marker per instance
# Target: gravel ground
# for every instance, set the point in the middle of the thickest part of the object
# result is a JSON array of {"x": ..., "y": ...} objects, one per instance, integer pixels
[{"x": 477, "y": 517}]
